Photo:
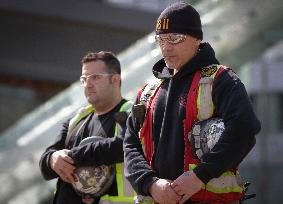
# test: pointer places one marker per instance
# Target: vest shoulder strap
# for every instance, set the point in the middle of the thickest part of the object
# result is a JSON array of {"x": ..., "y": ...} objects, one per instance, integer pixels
[
  {"x": 126, "y": 107},
  {"x": 121, "y": 117},
  {"x": 146, "y": 98},
  {"x": 82, "y": 112},
  {"x": 205, "y": 105},
  {"x": 148, "y": 91}
]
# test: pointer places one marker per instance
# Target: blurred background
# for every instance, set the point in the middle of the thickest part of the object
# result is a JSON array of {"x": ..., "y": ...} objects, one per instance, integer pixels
[{"x": 42, "y": 43}]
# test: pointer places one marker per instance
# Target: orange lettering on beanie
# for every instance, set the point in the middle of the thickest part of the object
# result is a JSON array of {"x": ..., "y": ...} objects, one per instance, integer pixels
[{"x": 162, "y": 24}]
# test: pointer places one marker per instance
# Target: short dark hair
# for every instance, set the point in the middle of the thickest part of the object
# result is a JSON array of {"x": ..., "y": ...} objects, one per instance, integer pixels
[{"x": 109, "y": 58}]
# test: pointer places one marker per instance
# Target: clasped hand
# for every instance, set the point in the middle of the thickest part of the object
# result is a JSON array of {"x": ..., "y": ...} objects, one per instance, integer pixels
[
  {"x": 162, "y": 192},
  {"x": 179, "y": 191},
  {"x": 63, "y": 165}
]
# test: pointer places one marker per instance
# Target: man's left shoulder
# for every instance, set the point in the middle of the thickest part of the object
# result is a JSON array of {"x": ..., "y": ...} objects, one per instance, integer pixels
[{"x": 230, "y": 73}]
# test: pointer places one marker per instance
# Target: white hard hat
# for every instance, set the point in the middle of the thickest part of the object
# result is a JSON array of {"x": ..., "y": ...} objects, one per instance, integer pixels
[{"x": 205, "y": 134}]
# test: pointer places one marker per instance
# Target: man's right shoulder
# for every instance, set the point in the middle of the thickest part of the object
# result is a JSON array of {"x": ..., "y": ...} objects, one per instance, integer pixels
[{"x": 148, "y": 89}]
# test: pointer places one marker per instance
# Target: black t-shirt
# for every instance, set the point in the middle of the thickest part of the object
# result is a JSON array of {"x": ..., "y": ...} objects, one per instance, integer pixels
[{"x": 104, "y": 125}]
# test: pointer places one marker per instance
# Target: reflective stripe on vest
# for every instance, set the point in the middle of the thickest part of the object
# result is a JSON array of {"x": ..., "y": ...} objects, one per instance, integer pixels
[
  {"x": 228, "y": 182},
  {"x": 126, "y": 107},
  {"x": 125, "y": 191},
  {"x": 205, "y": 105},
  {"x": 83, "y": 112}
]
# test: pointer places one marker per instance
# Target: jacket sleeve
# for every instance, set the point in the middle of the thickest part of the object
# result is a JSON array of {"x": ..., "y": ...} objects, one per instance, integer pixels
[
  {"x": 104, "y": 152},
  {"x": 241, "y": 125},
  {"x": 59, "y": 144},
  {"x": 137, "y": 170}
]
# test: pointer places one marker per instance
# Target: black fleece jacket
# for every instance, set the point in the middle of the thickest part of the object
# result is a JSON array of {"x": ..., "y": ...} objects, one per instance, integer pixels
[{"x": 232, "y": 104}]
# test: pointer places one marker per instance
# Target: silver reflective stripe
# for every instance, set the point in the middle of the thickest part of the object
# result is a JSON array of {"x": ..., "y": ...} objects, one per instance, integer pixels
[
  {"x": 205, "y": 103},
  {"x": 224, "y": 181},
  {"x": 111, "y": 202}
]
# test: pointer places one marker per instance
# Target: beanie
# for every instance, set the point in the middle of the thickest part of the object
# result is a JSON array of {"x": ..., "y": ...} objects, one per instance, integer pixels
[{"x": 180, "y": 18}]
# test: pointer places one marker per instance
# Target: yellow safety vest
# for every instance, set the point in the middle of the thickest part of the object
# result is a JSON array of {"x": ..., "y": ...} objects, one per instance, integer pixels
[{"x": 125, "y": 191}]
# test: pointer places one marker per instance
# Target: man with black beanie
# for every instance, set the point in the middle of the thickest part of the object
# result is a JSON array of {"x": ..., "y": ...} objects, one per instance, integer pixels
[{"x": 168, "y": 156}]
